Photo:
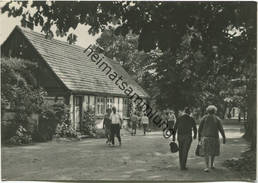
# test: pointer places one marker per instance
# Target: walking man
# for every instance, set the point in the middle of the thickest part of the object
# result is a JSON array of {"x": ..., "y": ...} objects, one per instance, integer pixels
[
  {"x": 116, "y": 124},
  {"x": 184, "y": 127}
]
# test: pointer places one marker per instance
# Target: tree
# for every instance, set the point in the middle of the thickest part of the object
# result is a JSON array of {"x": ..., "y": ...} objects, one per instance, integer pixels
[{"x": 124, "y": 49}]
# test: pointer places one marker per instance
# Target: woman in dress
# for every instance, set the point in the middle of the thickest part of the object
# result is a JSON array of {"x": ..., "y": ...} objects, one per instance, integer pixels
[
  {"x": 208, "y": 132},
  {"x": 107, "y": 126}
]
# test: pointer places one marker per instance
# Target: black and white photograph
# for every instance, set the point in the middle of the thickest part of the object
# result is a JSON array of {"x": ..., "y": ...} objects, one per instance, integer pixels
[{"x": 128, "y": 91}]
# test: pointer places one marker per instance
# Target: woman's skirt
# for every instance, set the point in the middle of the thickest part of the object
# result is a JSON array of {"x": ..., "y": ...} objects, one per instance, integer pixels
[{"x": 210, "y": 146}]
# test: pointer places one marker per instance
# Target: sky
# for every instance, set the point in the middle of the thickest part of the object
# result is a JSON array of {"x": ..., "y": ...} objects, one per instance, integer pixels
[{"x": 8, "y": 24}]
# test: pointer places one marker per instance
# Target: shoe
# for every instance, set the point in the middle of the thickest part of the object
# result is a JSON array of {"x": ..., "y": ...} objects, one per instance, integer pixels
[
  {"x": 206, "y": 170},
  {"x": 212, "y": 167}
]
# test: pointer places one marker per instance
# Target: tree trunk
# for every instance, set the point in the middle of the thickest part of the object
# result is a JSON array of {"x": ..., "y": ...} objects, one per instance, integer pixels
[{"x": 250, "y": 133}]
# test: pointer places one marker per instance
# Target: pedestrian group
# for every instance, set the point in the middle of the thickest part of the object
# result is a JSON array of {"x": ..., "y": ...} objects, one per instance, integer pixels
[
  {"x": 208, "y": 136},
  {"x": 113, "y": 123},
  {"x": 184, "y": 128}
]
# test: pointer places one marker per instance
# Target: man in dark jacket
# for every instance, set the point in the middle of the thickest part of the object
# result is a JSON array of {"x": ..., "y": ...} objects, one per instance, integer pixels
[{"x": 184, "y": 127}]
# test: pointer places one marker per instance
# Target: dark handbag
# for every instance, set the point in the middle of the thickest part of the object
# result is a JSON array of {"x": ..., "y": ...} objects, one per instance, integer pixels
[
  {"x": 198, "y": 149},
  {"x": 173, "y": 147}
]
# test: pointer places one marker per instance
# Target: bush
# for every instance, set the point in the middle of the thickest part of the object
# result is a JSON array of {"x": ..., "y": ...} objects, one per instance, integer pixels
[
  {"x": 21, "y": 94},
  {"x": 47, "y": 124},
  {"x": 8, "y": 130},
  {"x": 50, "y": 117},
  {"x": 21, "y": 137},
  {"x": 88, "y": 125},
  {"x": 64, "y": 129}
]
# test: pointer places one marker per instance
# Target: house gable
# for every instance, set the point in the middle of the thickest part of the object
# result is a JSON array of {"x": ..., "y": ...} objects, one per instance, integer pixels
[{"x": 18, "y": 46}]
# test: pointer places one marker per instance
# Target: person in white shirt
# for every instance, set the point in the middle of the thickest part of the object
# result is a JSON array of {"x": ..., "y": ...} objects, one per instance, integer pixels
[
  {"x": 145, "y": 122},
  {"x": 116, "y": 124}
]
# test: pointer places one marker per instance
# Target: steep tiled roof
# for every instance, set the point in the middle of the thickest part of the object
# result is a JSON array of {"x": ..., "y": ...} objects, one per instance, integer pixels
[{"x": 75, "y": 69}]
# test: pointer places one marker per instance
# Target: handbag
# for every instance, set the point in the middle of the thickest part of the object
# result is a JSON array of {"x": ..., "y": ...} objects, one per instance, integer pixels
[{"x": 173, "y": 147}]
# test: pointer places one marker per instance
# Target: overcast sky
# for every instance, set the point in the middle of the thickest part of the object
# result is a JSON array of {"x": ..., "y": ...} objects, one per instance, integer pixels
[{"x": 8, "y": 23}]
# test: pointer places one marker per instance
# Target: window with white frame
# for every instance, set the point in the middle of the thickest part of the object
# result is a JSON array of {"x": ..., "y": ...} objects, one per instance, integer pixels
[
  {"x": 92, "y": 102},
  {"x": 100, "y": 102},
  {"x": 110, "y": 102},
  {"x": 125, "y": 107},
  {"x": 120, "y": 106}
]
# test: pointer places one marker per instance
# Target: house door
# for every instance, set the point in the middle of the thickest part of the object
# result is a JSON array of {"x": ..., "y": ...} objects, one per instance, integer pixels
[{"x": 78, "y": 112}]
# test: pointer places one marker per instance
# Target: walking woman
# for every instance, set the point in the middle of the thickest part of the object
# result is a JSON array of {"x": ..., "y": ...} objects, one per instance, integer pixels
[
  {"x": 134, "y": 121},
  {"x": 107, "y": 126},
  {"x": 208, "y": 132}
]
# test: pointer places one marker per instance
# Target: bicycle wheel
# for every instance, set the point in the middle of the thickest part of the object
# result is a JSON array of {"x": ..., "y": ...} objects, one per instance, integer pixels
[{"x": 167, "y": 133}]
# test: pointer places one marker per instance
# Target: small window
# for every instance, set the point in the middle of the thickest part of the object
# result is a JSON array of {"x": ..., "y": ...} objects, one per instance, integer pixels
[
  {"x": 110, "y": 102},
  {"x": 92, "y": 102},
  {"x": 125, "y": 107},
  {"x": 100, "y": 106}
]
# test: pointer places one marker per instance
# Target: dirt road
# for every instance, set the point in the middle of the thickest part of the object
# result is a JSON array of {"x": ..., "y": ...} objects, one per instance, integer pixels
[{"x": 139, "y": 158}]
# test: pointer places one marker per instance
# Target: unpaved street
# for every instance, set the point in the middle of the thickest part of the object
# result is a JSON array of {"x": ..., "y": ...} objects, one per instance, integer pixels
[{"x": 139, "y": 158}]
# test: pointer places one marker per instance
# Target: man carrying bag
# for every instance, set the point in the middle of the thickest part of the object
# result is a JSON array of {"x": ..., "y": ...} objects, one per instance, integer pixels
[{"x": 184, "y": 127}]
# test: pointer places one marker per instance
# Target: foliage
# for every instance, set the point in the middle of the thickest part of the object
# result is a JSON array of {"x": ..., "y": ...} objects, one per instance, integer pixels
[
  {"x": 162, "y": 24},
  {"x": 65, "y": 129},
  {"x": 50, "y": 117},
  {"x": 19, "y": 87},
  {"x": 21, "y": 93},
  {"x": 8, "y": 130},
  {"x": 21, "y": 136},
  {"x": 88, "y": 125},
  {"x": 124, "y": 49}
]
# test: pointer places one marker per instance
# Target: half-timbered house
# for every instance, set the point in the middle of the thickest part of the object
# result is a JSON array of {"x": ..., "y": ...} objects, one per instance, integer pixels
[{"x": 68, "y": 75}]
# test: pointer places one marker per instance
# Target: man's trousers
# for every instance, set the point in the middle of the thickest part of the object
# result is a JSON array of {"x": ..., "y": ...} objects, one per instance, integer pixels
[
  {"x": 184, "y": 143},
  {"x": 115, "y": 131}
]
